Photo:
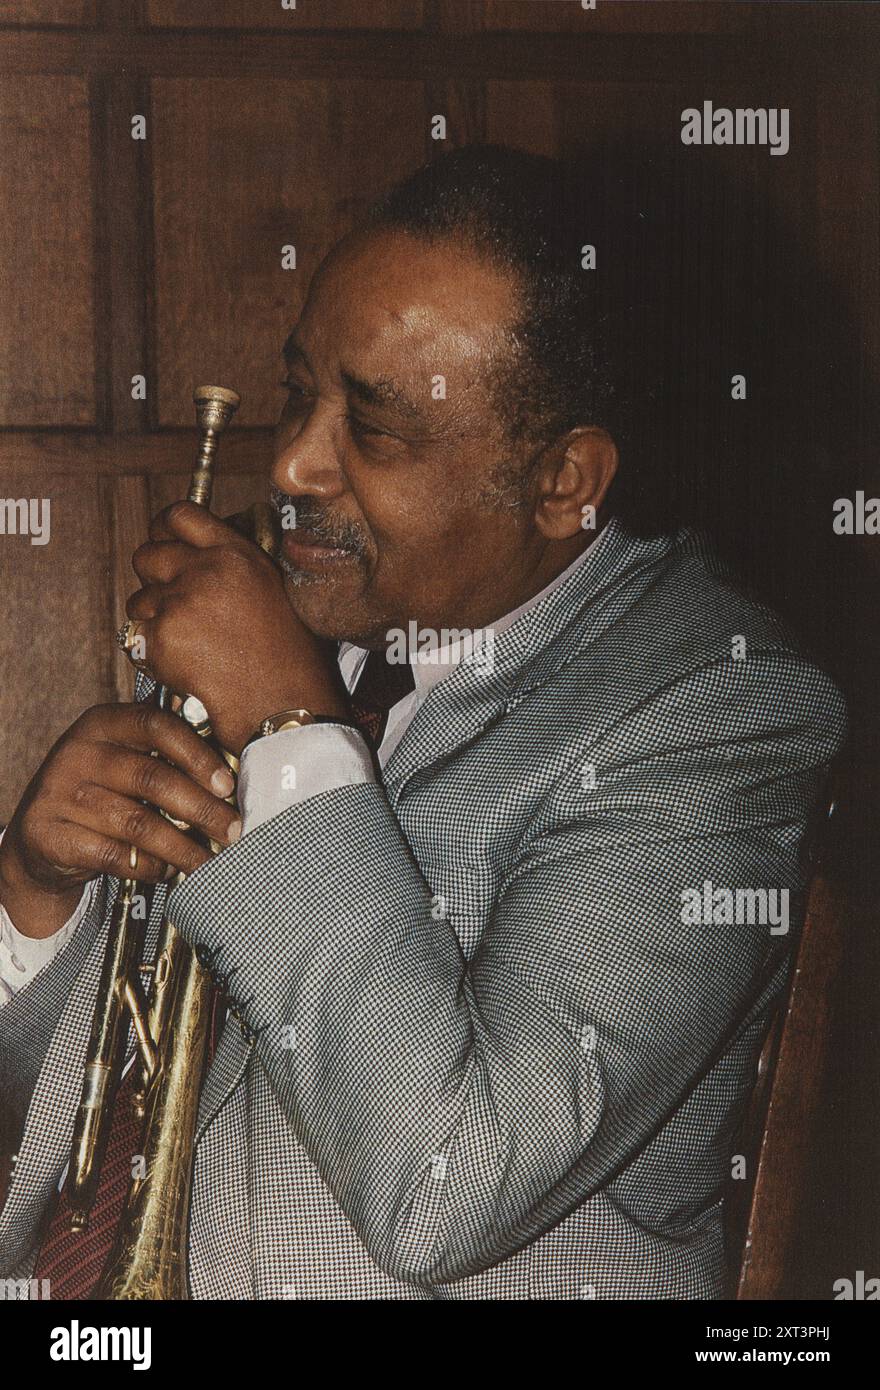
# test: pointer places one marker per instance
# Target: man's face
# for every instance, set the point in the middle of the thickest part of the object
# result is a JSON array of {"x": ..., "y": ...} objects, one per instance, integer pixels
[{"x": 388, "y": 439}]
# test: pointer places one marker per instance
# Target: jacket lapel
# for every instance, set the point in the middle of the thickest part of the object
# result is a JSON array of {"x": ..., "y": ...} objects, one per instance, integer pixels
[{"x": 226, "y": 1070}]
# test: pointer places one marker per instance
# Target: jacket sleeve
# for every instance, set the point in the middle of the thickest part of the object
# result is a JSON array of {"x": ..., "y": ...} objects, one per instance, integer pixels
[
  {"x": 29, "y": 1020},
  {"x": 458, "y": 1109}
]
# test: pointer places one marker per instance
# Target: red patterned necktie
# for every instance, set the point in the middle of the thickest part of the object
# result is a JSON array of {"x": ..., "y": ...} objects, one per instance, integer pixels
[{"x": 381, "y": 685}]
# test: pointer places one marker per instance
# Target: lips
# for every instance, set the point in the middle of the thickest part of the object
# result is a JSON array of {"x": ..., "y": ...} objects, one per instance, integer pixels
[{"x": 305, "y": 550}]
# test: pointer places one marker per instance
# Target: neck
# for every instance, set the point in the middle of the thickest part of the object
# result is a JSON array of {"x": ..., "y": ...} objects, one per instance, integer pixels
[{"x": 554, "y": 559}]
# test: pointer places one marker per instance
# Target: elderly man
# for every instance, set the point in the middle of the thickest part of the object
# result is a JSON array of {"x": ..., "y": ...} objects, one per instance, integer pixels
[{"x": 480, "y": 909}]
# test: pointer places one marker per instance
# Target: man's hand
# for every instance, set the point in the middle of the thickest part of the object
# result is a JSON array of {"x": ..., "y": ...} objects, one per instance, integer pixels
[
  {"x": 84, "y": 809},
  {"x": 216, "y": 623}
]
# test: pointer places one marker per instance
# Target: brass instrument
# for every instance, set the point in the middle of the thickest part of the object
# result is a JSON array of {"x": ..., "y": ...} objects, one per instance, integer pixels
[{"x": 149, "y": 1257}]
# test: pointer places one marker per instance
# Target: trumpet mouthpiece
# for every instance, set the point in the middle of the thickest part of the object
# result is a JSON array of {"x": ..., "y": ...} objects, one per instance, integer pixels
[{"x": 215, "y": 407}]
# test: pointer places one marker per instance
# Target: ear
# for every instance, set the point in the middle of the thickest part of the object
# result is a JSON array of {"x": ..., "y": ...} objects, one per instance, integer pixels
[{"x": 574, "y": 473}]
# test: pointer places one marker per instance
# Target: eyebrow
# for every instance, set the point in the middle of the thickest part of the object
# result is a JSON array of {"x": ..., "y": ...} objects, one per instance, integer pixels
[
  {"x": 379, "y": 393},
  {"x": 382, "y": 392}
]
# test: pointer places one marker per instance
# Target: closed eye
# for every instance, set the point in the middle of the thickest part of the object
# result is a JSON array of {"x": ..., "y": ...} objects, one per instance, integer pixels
[
  {"x": 293, "y": 388},
  {"x": 360, "y": 430},
  {"x": 298, "y": 394}
]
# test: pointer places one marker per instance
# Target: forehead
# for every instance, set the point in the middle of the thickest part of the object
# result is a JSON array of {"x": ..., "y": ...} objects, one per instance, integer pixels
[{"x": 384, "y": 299}]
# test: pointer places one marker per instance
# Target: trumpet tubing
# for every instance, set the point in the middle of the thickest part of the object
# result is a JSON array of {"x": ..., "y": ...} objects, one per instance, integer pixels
[{"x": 149, "y": 1260}]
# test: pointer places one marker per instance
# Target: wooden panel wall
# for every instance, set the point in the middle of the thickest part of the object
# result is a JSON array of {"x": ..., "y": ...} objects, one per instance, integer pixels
[
  {"x": 301, "y": 14},
  {"x": 55, "y": 12},
  {"x": 47, "y": 370},
  {"x": 225, "y": 206},
  {"x": 268, "y": 126},
  {"x": 667, "y": 18}
]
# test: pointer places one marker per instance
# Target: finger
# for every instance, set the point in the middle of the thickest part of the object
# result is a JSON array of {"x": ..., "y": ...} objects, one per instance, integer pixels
[
  {"x": 144, "y": 604},
  {"x": 129, "y": 822},
  {"x": 78, "y": 850},
  {"x": 185, "y": 521},
  {"x": 141, "y": 778},
  {"x": 161, "y": 561},
  {"x": 143, "y": 727}
]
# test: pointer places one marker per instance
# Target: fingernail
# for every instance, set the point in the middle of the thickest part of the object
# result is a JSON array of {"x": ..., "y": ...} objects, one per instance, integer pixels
[
  {"x": 222, "y": 782},
  {"x": 233, "y": 832},
  {"x": 170, "y": 872}
]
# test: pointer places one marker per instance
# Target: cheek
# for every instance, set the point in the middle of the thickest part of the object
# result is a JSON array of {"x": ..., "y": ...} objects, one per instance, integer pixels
[
  {"x": 425, "y": 521},
  {"x": 419, "y": 534},
  {"x": 398, "y": 511}
]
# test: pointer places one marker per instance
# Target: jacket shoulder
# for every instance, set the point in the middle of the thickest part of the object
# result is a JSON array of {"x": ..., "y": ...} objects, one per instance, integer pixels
[{"x": 690, "y": 641}]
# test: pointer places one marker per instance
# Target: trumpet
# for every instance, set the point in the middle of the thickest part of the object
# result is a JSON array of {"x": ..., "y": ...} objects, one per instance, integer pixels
[{"x": 171, "y": 1024}]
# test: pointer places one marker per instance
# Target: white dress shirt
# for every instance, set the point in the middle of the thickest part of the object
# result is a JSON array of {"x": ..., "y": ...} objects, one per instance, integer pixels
[{"x": 282, "y": 770}]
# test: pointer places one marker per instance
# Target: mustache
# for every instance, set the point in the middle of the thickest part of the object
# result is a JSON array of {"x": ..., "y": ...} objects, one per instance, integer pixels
[{"x": 338, "y": 532}]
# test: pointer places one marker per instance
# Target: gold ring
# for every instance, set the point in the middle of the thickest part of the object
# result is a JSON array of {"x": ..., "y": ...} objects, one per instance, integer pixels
[
  {"x": 132, "y": 858},
  {"x": 129, "y": 636},
  {"x": 126, "y": 635}
]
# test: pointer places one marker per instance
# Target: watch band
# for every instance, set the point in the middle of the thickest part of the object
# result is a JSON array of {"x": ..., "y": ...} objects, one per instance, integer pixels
[{"x": 294, "y": 719}]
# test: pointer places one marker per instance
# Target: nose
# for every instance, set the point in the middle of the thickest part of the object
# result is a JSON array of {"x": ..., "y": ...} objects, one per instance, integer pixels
[{"x": 306, "y": 462}]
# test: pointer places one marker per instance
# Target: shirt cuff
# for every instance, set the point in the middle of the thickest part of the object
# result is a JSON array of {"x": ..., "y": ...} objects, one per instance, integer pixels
[
  {"x": 23, "y": 957},
  {"x": 293, "y": 765}
]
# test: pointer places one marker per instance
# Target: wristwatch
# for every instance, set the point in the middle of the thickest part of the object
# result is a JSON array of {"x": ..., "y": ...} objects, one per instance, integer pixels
[{"x": 294, "y": 719}]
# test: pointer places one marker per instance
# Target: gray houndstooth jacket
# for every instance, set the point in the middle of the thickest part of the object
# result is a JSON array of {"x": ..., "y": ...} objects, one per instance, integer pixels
[{"x": 492, "y": 1061}]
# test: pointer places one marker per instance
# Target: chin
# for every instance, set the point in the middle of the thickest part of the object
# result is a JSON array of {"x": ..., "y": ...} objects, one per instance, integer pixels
[{"x": 331, "y": 614}]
